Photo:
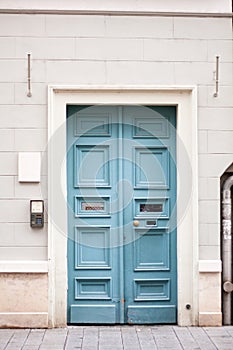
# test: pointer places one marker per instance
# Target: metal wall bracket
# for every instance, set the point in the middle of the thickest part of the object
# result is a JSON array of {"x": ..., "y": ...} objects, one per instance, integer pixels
[
  {"x": 216, "y": 77},
  {"x": 29, "y": 94},
  {"x": 228, "y": 287}
]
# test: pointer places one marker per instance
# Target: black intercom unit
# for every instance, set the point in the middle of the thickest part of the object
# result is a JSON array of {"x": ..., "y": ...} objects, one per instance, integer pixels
[{"x": 37, "y": 213}]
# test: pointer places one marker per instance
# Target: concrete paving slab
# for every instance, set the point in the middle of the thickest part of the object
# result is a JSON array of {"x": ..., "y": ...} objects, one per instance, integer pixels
[
  {"x": 118, "y": 338},
  {"x": 201, "y": 338}
]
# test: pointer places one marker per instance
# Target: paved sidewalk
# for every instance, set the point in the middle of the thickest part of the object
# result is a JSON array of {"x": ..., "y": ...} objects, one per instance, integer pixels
[{"x": 118, "y": 338}]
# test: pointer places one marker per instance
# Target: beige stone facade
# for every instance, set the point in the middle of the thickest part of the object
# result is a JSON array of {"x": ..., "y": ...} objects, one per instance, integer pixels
[
  {"x": 24, "y": 299},
  {"x": 146, "y": 49}
]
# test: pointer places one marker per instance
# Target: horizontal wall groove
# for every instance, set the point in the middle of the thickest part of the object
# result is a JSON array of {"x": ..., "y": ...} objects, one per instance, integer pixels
[
  {"x": 116, "y": 13},
  {"x": 87, "y": 59}
]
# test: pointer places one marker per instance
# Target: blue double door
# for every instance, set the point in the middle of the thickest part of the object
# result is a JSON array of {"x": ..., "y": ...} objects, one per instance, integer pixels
[{"x": 121, "y": 171}]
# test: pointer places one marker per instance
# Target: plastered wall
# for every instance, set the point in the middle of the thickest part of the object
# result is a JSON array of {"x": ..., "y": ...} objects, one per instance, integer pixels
[{"x": 109, "y": 50}]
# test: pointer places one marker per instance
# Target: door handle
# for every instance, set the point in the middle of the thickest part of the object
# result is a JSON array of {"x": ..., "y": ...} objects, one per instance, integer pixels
[{"x": 136, "y": 223}]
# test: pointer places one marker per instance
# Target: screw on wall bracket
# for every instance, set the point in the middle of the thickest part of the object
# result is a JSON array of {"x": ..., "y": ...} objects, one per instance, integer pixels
[
  {"x": 29, "y": 94},
  {"x": 216, "y": 77}
]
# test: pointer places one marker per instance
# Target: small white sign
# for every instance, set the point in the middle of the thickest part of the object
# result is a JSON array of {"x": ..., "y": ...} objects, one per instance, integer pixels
[{"x": 37, "y": 206}]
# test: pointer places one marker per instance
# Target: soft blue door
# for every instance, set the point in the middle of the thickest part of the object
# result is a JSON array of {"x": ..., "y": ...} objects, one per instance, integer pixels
[{"x": 121, "y": 170}]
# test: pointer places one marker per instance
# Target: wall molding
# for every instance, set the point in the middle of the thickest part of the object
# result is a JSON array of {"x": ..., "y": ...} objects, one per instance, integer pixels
[
  {"x": 185, "y": 98},
  {"x": 210, "y": 266},
  {"x": 116, "y": 13},
  {"x": 23, "y": 319},
  {"x": 22, "y": 266}
]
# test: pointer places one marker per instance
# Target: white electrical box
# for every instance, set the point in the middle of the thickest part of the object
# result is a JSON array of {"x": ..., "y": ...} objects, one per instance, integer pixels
[{"x": 29, "y": 166}]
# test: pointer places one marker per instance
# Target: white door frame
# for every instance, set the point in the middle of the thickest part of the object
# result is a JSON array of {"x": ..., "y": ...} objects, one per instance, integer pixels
[{"x": 185, "y": 98}]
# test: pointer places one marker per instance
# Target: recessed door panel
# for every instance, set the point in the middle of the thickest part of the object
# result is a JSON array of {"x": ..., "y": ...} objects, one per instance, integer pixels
[
  {"x": 96, "y": 124},
  {"x": 152, "y": 290},
  {"x": 152, "y": 249},
  {"x": 92, "y": 248},
  {"x": 121, "y": 172},
  {"x": 92, "y": 166},
  {"x": 151, "y": 161}
]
